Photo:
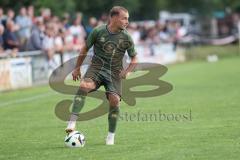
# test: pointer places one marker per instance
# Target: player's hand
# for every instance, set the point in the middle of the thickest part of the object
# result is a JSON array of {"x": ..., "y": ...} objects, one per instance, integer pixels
[
  {"x": 76, "y": 74},
  {"x": 123, "y": 74}
]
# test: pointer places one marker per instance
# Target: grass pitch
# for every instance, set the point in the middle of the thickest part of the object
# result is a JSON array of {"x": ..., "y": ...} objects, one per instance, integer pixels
[{"x": 206, "y": 94}]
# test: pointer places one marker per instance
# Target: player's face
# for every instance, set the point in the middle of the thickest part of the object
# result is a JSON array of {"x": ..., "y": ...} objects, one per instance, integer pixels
[{"x": 122, "y": 20}]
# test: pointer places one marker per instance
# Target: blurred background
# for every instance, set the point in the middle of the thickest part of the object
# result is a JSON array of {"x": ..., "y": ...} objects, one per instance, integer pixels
[{"x": 38, "y": 36}]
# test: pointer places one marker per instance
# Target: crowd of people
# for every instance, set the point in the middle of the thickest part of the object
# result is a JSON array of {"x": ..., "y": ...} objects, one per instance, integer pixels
[{"x": 25, "y": 31}]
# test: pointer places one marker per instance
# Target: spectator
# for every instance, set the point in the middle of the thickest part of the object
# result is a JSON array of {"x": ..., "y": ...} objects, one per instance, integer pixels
[
  {"x": 46, "y": 14},
  {"x": 65, "y": 21},
  {"x": 135, "y": 33},
  {"x": 163, "y": 33},
  {"x": 30, "y": 13},
  {"x": 68, "y": 40},
  {"x": 143, "y": 32},
  {"x": 25, "y": 24},
  {"x": 104, "y": 18},
  {"x": 35, "y": 41},
  {"x": 92, "y": 23},
  {"x": 48, "y": 45},
  {"x": 2, "y": 16},
  {"x": 10, "y": 14},
  {"x": 10, "y": 37},
  {"x": 56, "y": 24},
  {"x": 58, "y": 41},
  {"x": 153, "y": 35},
  {"x": 1, "y": 38},
  {"x": 78, "y": 32},
  {"x": 11, "y": 42}
]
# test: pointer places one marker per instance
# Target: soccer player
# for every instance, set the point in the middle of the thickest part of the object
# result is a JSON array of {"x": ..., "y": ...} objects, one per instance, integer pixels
[{"x": 110, "y": 42}]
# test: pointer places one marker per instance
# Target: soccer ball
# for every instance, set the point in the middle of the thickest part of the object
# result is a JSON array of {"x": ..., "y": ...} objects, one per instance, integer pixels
[{"x": 75, "y": 139}]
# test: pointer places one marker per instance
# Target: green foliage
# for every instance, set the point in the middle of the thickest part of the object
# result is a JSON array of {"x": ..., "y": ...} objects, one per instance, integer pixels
[
  {"x": 57, "y": 7},
  {"x": 93, "y": 7},
  {"x": 221, "y": 4},
  {"x": 139, "y": 9},
  {"x": 15, "y": 4},
  {"x": 133, "y": 7},
  {"x": 97, "y": 7},
  {"x": 148, "y": 10}
]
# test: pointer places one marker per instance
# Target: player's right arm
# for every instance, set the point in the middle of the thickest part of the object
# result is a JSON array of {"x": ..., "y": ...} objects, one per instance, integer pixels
[{"x": 76, "y": 74}]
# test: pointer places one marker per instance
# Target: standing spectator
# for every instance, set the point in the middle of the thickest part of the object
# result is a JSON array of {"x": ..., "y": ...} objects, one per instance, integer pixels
[
  {"x": 78, "y": 32},
  {"x": 30, "y": 13},
  {"x": 46, "y": 14},
  {"x": 66, "y": 19},
  {"x": 134, "y": 32},
  {"x": 2, "y": 16},
  {"x": 10, "y": 14},
  {"x": 59, "y": 44},
  {"x": 48, "y": 45},
  {"x": 163, "y": 33},
  {"x": 35, "y": 41},
  {"x": 68, "y": 40},
  {"x": 56, "y": 24},
  {"x": 104, "y": 18},
  {"x": 25, "y": 24},
  {"x": 92, "y": 23}
]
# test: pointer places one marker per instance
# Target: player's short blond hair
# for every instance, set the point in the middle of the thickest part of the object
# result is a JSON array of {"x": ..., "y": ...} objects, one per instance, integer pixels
[{"x": 116, "y": 9}]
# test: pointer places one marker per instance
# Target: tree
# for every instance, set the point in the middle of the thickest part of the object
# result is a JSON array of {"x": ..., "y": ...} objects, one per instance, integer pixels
[
  {"x": 57, "y": 7},
  {"x": 138, "y": 9}
]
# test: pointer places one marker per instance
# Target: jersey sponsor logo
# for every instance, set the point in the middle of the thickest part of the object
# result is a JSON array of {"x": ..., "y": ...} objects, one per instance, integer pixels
[{"x": 112, "y": 47}]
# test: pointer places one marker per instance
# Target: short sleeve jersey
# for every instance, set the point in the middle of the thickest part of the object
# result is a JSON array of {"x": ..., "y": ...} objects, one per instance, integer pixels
[{"x": 109, "y": 48}]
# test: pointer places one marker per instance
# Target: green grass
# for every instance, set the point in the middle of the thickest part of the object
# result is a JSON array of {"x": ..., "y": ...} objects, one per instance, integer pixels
[
  {"x": 30, "y": 130},
  {"x": 201, "y": 52}
]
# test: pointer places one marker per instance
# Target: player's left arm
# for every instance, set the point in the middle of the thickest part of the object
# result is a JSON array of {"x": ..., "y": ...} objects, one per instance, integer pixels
[
  {"x": 131, "y": 66},
  {"x": 133, "y": 56}
]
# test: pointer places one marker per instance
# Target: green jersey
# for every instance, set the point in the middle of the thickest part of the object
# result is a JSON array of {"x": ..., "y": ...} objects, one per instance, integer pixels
[{"x": 109, "y": 48}]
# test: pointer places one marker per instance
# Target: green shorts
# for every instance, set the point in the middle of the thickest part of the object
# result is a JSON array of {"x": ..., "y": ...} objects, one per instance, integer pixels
[{"x": 111, "y": 82}]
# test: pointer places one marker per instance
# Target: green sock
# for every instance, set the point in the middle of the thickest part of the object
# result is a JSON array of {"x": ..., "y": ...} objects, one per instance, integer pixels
[
  {"x": 112, "y": 118},
  {"x": 78, "y": 101}
]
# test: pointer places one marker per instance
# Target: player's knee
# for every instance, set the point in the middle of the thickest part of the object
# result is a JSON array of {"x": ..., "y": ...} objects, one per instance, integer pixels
[
  {"x": 87, "y": 86},
  {"x": 113, "y": 99},
  {"x": 83, "y": 86}
]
